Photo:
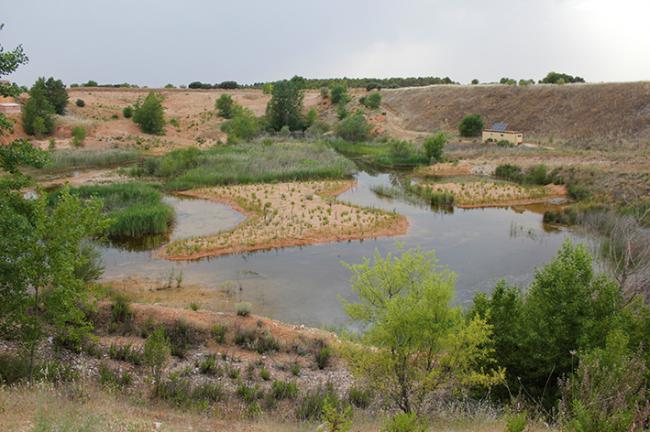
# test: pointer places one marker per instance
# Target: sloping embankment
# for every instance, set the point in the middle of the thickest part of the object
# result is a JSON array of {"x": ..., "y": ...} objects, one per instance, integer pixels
[{"x": 596, "y": 115}]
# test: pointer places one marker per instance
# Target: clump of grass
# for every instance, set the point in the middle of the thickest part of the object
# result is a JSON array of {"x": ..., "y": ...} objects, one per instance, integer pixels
[
  {"x": 359, "y": 398},
  {"x": 181, "y": 338},
  {"x": 255, "y": 340},
  {"x": 265, "y": 374},
  {"x": 78, "y": 159},
  {"x": 115, "y": 379},
  {"x": 126, "y": 353},
  {"x": 219, "y": 333},
  {"x": 135, "y": 208},
  {"x": 246, "y": 163},
  {"x": 284, "y": 390},
  {"x": 208, "y": 366},
  {"x": 310, "y": 406},
  {"x": 180, "y": 392},
  {"x": 15, "y": 369},
  {"x": 323, "y": 356},
  {"x": 249, "y": 394},
  {"x": 243, "y": 309},
  {"x": 295, "y": 369}
]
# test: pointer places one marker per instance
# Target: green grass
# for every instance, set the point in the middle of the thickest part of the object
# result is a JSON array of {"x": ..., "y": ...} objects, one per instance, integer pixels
[
  {"x": 382, "y": 153},
  {"x": 253, "y": 162},
  {"x": 415, "y": 194},
  {"x": 135, "y": 208},
  {"x": 78, "y": 159}
]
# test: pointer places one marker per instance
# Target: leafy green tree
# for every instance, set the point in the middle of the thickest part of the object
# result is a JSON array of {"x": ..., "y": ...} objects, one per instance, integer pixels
[
  {"x": 354, "y": 127},
  {"x": 40, "y": 256},
  {"x": 433, "y": 146},
  {"x": 565, "y": 310},
  {"x": 475, "y": 81},
  {"x": 78, "y": 136},
  {"x": 560, "y": 78},
  {"x": 267, "y": 88},
  {"x": 37, "y": 111},
  {"x": 56, "y": 94},
  {"x": 312, "y": 117},
  {"x": 339, "y": 93},
  {"x": 285, "y": 106},
  {"x": 471, "y": 126},
  {"x": 149, "y": 114},
  {"x": 226, "y": 106},
  {"x": 420, "y": 342}
]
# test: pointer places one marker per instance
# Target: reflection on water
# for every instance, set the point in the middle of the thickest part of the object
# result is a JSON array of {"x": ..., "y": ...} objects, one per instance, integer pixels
[{"x": 304, "y": 284}]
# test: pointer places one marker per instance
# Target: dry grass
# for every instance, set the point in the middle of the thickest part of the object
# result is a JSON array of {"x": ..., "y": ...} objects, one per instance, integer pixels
[
  {"x": 85, "y": 407},
  {"x": 286, "y": 214}
]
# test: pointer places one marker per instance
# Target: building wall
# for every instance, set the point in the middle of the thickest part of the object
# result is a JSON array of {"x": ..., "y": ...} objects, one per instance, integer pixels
[{"x": 510, "y": 136}]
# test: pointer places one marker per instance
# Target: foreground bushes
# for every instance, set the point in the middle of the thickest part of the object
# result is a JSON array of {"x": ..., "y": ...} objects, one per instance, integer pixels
[{"x": 567, "y": 309}]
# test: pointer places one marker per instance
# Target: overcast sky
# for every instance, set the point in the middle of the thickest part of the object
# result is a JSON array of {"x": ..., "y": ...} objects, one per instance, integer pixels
[{"x": 154, "y": 42}]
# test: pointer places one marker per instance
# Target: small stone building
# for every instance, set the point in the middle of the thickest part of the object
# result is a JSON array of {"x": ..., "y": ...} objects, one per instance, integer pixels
[{"x": 500, "y": 132}]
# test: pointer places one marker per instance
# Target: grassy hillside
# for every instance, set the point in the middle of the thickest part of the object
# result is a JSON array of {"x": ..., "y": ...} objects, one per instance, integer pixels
[{"x": 597, "y": 115}]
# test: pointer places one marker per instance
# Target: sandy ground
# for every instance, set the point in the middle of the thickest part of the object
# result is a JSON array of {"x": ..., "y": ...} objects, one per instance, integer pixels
[
  {"x": 286, "y": 214},
  {"x": 491, "y": 194}
]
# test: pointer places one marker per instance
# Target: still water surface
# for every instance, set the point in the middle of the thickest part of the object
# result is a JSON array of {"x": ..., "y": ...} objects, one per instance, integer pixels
[{"x": 304, "y": 284}]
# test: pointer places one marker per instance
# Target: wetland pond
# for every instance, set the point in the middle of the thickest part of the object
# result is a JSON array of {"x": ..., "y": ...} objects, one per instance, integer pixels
[{"x": 304, "y": 284}]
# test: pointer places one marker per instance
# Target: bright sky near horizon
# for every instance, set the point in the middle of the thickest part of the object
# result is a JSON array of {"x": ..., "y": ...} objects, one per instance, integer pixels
[{"x": 154, "y": 42}]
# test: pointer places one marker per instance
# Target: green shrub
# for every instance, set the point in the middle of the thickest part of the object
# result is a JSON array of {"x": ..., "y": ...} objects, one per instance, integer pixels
[
  {"x": 266, "y": 343},
  {"x": 242, "y": 126},
  {"x": 156, "y": 352},
  {"x": 516, "y": 422},
  {"x": 323, "y": 356},
  {"x": 80, "y": 103},
  {"x": 243, "y": 309},
  {"x": 505, "y": 143},
  {"x": 354, "y": 127},
  {"x": 149, "y": 114},
  {"x": 608, "y": 391},
  {"x": 336, "y": 417},
  {"x": 339, "y": 93},
  {"x": 208, "y": 365},
  {"x": 127, "y": 112},
  {"x": 126, "y": 353},
  {"x": 249, "y": 394},
  {"x": 226, "y": 106},
  {"x": 578, "y": 191},
  {"x": 295, "y": 369},
  {"x": 404, "y": 423},
  {"x": 310, "y": 406},
  {"x": 359, "y": 398},
  {"x": 400, "y": 149},
  {"x": 208, "y": 392},
  {"x": 111, "y": 378},
  {"x": 341, "y": 111},
  {"x": 265, "y": 374},
  {"x": 433, "y": 146},
  {"x": 372, "y": 101},
  {"x": 78, "y": 136},
  {"x": 267, "y": 88},
  {"x": 181, "y": 338},
  {"x": 509, "y": 172},
  {"x": 219, "y": 333},
  {"x": 121, "y": 314},
  {"x": 373, "y": 85},
  {"x": 537, "y": 175},
  {"x": 471, "y": 126},
  {"x": 282, "y": 390},
  {"x": 567, "y": 216}
]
